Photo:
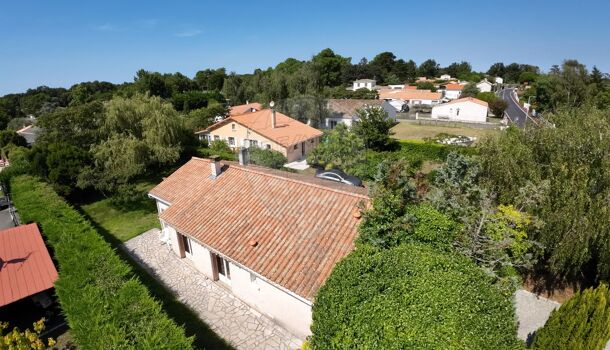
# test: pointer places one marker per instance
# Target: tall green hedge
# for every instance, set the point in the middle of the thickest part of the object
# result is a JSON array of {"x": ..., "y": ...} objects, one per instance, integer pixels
[
  {"x": 411, "y": 297},
  {"x": 581, "y": 323},
  {"x": 105, "y": 307}
]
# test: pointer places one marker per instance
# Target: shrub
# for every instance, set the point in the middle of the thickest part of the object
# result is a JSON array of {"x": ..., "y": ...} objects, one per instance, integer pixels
[
  {"x": 411, "y": 297},
  {"x": 218, "y": 148},
  {"x": 105, "y": 306},
  {"x": 266, "y": 157},
  {"x": 583, "y": 322},
  {"x": 433, "y": 227}
]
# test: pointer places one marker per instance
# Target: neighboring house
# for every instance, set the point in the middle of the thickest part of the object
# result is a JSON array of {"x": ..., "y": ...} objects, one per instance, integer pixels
[
  {"x": 499, "y": 80},
  {"x": 364, "y": 84},
  {"x": 30, "y": 133},
  {"x": 265, "y": 129},
  {"x": 271, "y": 237},
  {"x": 484, "y": 86},
  {"x": 445, "y": 77},
  {"x": 396, "y": 86},
  {"x": 343, "y": 111},
  {"x": 412, "y": 97},
  {"x": 26, "y": 268},
  {"x": 243, "y": 109},
  {"x": 467, "y": 109},
  {"x": 453, "y": 91}
]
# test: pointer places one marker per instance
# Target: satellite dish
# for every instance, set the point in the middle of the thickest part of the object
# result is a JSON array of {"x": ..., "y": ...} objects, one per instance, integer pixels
[{"x": 271, "y": 104}]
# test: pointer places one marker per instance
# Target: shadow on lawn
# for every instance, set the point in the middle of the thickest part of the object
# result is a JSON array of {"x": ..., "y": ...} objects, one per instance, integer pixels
[{"x": 205, "y": 338}]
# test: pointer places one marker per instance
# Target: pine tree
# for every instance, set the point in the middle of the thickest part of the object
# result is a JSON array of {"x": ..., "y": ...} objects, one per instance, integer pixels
[{"x": 583, "y": 322}]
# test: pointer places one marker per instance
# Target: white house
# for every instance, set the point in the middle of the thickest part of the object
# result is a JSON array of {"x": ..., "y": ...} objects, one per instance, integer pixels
[
  {"x": 453, "y": 91},
  {"x": 499, "y": 80},
  {"x": 484, "y": 86},
  {"x": 364, "y": 84},
  {"x": 263, "y": 234},
  {"x": 343, "y": 111},
  {"x": 445, "y": 77},
  {"x": 467, "y": 109}
]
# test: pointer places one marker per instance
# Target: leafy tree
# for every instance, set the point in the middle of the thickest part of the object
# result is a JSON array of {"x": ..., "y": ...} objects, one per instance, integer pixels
[
  {"x": 11, "y": 137},
  {"x": 267, "y": 158},
  {"x": 200, "y": 119},
  {"x": 309, "y": 109},
  {"x": 426, "y": 85},
  {"x": 28, "y": 339},
  {"x": 210, "y": 79},
  {"x": 487, "y": 96},
  {"x": 527, "y": 77},
  {"x": 497, "y": 70},
  {"x": 152, "y": 83},
  {"x": 91, "y": 91},
  {"x": 411, "y": 297},
  {"x": 569, "y": 84},
  {"x": 374, "y": 128},
  {"x": 428, "y": 69},
  {"x": 339, "y": 148},
  {"x": 565, "y": 165},
  {"x": 77, "y": 125},
  {"x": 59, "y": 163},
  {"x": 406, "y": 71},
  {"x": 583, "y": 322},
  {"x": 497, "y": 107},
  {"x": 329, "y": 67},
  {"x": 189, "y": 100},
  {"x": 459, "y": 70},
  {"x": 470, "y": 90}
]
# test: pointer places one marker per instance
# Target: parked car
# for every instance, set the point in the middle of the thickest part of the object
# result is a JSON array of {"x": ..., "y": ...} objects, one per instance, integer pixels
[
  {"x": 4, "y": 203},
  {"x": 338, "y": 176}
]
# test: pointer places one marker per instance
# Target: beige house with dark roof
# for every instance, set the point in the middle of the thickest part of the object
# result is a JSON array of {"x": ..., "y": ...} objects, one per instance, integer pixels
[
  {"x": 271, "y": 237},
  {"x": 266, "y": 129},
  {"x": 343, "y": 111}
]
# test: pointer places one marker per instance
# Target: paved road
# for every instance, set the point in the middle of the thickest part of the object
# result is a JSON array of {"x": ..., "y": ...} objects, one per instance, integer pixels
[{"x": 515, "y": 113}]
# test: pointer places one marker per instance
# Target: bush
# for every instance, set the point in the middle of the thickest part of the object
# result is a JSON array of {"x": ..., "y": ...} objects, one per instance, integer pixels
[
  {"x": 433, "y": 227},
  {"x": 266, "y": 157},
  {"x": 411, "y": 297},
  {"x": 583, "y": 322},
  {"x": 105, "y": 306},
  {"x": 218, "y": 148}
]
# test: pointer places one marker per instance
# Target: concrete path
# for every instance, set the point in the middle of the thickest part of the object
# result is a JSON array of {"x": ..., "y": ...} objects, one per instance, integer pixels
[
  {"x": 532, "y": 312},
  {"x": 228, "y": 316}
]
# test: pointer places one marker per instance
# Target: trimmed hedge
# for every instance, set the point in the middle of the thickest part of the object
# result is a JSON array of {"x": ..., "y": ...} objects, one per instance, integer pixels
[
  {"x": 105, "y": 307},
  {"x": 581, "y": 323},
  {"x": 411, "y": 297},
  {"x": 422, "y": 150}
]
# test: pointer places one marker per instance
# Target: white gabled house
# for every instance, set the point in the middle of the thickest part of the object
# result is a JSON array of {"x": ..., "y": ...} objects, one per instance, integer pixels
[
  {"x": 484, "y": 86},
  {"x": 263, "y": 234},
  {"x": 466, "y": 109},
  {"x": 369, "y": 84}
]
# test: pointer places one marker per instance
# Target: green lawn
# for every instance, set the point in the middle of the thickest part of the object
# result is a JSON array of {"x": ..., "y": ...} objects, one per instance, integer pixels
[{"x": 123, "y": 222}]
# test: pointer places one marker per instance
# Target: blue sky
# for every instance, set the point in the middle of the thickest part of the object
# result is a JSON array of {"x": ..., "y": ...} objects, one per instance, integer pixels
[{"x": 59, "y": 43}]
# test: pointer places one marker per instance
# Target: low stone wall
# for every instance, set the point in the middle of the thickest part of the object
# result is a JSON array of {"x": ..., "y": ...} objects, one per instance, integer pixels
[{"x": 451, "y": 124}]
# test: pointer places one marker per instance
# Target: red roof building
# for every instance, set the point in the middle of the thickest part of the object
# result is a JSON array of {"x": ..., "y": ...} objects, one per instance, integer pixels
[{"x": 26, "y": 267}]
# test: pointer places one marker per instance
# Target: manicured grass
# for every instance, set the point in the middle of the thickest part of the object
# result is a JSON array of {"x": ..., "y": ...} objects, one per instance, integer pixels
[
  {"x": 408, "y": 131},
  {"x": 123, "y": 222}
]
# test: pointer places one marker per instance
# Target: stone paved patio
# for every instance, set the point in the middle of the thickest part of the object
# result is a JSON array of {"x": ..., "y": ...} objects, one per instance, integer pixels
[{"x": 228, "y": 316}]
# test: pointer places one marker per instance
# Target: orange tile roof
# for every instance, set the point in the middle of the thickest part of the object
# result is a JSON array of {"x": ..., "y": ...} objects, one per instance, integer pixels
[
  {"x": 410, "y": 87},
  {"x": 287, "y": 131},
  {"x": 25, "y": 265},
  {"x": 467, "y": 99},
  {"x": 406, "y": 95},
  {"x": 454, "y": 87},
  {"x": 246, "y": 108},
  {"x": 303, "y": 225}
]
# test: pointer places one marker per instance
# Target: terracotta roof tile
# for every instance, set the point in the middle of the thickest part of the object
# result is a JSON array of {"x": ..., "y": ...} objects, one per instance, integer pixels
[
  {"x": 454, "y": 87},
  {"x": 303, "y": 225},
  {"x": 246, "y": 108},
  {"x": 467, "y": 99},
  {"x": 408, "y": 94},
  {"x": 287, "y": 131},
  {"x": 25, "y": 265}
]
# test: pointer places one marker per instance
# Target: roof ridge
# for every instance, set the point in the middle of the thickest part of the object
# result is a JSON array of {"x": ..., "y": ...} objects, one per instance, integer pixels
[{"x": 261, "y": 172}]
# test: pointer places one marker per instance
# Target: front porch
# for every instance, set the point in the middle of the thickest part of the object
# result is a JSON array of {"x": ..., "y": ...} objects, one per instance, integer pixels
[{"x": 228, "y": 316}]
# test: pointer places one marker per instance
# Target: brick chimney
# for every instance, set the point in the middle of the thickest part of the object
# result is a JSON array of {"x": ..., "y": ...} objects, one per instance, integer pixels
[{"x": 215, "y": 166}]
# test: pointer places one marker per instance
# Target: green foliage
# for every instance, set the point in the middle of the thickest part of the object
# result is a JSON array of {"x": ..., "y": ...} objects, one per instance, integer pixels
[
  {"x": 487, "y": 96},
  {"x": 374, "y": 128},
  {"x": 200, "y": 119},
  {"x": 581, "y": 323},
  {"x": 190, "y": 100},
  {"x": 59, "y": 163},
  {"x": 425, "y": 85},
  {"x": 470, "y": 90},
  {"x": 267, "y": 157},
  {"x": 563, "y": 166},
  {"x": 339, "y": 148},
  {"x": 218, "y": 148},
  {"x": 11, "y": 137},
  {"x": 28, "y": 339},
  {"x": 411, "y": 297},
  {"x": 433, "y": 227},
  {"x": 498, "y": 107},
  {"x": 77, "y": 125},
  {"x": 105, "y": 306}
]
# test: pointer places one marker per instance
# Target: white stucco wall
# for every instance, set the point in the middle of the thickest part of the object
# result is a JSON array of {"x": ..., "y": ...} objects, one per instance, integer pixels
[
  {"x": 288, "y": 310},
  {"x": 484, "y": 87},
  {"x": 465, "y": 111},
  {"x": 453, "y": 94}
]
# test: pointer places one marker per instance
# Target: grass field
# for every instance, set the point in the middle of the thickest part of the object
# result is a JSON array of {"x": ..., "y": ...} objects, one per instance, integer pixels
[
  {"x": 123, "y": 222},
  {"x": 408, "y": 131}
]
